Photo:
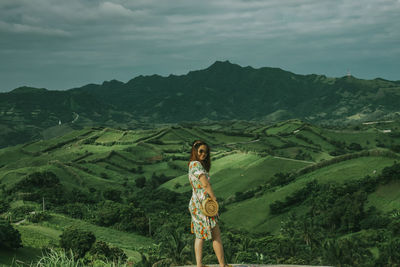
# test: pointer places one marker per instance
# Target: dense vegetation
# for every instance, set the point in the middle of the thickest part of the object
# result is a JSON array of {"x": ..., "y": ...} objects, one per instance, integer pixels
[
  {"x": 289, "y": 192},
  {"x": 228, "y": 91}
]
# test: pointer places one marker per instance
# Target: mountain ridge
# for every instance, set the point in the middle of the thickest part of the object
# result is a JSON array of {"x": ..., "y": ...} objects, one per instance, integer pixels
[{"x": 223, "y": 91}]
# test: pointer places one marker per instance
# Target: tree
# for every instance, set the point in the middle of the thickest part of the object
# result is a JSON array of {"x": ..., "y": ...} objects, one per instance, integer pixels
[
  {"x": 19, "y": 213},
  {"x": 346, "y": 252},
  {"x": 355, "y": 147},
  {"x": 4, "y": 206},
  {"x": 112, "y": 194},
  {"x": 39, "y": 217},
  {"x": 151, "y": 256},
  {"x": 101, "y": 251},
  {"x": 140, "y": 182},
  {"x": 108, "y": 213},
  {"x": 9, "y": 237},
  {"x": 79, "y": 241},
  {"x": 389, "y": 253},
  {"x": 395, "y": 148},
  {"x": 175, "y": 245},
  {"x": 133, "y": 219}
]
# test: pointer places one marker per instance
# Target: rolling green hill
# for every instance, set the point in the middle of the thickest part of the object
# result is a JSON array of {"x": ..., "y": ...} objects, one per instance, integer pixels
[{"x": 253, "y": 166}]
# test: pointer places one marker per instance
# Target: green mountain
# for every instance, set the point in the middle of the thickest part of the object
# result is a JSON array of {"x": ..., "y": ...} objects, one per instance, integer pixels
[
  {"x": 223, "y": 91},
  {"x": 228, "y": 91}
]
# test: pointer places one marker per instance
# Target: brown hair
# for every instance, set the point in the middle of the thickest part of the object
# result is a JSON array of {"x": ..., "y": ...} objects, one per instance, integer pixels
[{"x": 195, "y": 157}]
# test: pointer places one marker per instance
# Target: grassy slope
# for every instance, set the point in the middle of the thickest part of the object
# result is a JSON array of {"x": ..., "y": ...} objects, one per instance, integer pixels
[
  {"x": 36, "y": 236},
  {"x": 114, "y": 153},
  {"x": 128, "y": 241},
  {"x": 386, "y": 198},
  {"x": 239, "y": 172},
  {"x": 261, "y": 221}
]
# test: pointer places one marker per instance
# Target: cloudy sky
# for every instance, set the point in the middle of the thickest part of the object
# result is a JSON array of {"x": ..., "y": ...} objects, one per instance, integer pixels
[{"x": 59, "y": 44}]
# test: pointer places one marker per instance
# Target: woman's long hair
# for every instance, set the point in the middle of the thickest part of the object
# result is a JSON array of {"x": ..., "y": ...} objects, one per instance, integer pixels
[{"x": 194, "y": 156}]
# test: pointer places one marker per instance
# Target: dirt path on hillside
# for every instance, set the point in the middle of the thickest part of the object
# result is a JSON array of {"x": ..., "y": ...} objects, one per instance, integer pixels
[
  {"x": 247, "y": 142},
  {"x": 18, "y": 223},
  {"x": 297, "y": 160}
]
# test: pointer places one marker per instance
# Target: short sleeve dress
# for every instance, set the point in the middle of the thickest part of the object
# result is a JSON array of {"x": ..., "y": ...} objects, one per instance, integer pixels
[{"x": 201, "y": 224}]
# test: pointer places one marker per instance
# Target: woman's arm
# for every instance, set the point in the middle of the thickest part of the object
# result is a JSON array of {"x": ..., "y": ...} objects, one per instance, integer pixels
[{"x": 207, "y": 186}]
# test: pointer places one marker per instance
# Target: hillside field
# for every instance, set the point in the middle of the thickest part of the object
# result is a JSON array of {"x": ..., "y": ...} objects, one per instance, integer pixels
[{"x": 247, "y": 161}]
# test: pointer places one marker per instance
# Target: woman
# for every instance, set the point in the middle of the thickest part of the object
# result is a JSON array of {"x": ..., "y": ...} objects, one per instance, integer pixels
[{"x": 204, "y": 228}]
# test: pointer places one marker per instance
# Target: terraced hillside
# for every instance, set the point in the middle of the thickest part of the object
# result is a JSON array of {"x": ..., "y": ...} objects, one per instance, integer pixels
[
  {"x": 233, "y": 92},
  {"x": 253, "y": 166}
]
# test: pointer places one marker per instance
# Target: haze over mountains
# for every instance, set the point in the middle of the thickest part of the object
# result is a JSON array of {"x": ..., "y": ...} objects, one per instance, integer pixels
[{"x": 223, "y": 91}]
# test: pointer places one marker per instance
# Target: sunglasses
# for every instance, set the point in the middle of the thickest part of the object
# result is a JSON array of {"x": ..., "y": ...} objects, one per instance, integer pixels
[{"x": 202, "y": 151}]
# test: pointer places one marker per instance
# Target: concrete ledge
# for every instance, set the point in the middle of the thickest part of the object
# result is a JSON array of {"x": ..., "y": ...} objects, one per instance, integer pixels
[{"x": 259, "y": 265}]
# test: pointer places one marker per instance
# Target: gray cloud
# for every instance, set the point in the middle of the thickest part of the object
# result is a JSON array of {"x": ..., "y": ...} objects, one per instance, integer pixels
[{"x": 64, "y": 44}]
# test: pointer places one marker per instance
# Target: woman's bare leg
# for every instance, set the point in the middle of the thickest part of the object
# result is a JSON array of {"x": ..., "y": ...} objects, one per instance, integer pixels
[
  {"x": 198, "y": 249},
  {"x": 217, "y": 245}
]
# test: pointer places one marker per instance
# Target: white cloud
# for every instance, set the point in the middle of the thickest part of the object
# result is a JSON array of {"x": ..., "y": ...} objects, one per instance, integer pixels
[
  {"x": 28, "y": 29},
  {"x": 114, "y": 9},
  {"x": 161, "y": 36}
]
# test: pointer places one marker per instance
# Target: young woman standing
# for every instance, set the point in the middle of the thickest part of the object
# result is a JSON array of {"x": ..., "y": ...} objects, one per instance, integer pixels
[{"x": 204, "y": 227}]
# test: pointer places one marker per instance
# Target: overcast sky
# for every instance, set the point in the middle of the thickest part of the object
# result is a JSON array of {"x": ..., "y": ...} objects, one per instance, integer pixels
[{"x": 59, "y": 44}]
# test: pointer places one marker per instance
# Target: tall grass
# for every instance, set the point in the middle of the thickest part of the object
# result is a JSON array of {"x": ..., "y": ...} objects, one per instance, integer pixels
[{"x": 60, "y": 258}]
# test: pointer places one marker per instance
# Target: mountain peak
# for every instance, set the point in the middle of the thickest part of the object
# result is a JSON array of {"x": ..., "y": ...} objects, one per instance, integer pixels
[
  {"x": 26, "y": 89},
  {"x": 219, "y": 64},
  {"x": 112, "y": 83},
  {"x": 222, "y": 66}
]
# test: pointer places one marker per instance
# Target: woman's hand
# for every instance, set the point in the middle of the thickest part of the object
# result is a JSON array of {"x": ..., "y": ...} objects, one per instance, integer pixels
[{"x": 207, "y": 187}]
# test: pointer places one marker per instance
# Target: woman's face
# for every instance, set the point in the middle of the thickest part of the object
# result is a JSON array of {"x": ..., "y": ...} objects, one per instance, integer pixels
[{"x": 202, "y": 152}]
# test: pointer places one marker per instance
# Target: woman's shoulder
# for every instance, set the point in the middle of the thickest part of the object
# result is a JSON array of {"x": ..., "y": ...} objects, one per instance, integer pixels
[{"x": 194, "y": 163}]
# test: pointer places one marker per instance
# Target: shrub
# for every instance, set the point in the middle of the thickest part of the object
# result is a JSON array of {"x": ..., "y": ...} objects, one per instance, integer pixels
[
  {"x": 20, "y": 212},
  {"x": 107, "y": 213},
  {"x": 133, "y": 219},
  {"x": 9, "y": 237},
  {"x": 374, "y": 219},
  {"x": 281, "y": 179},
  {"x": 104, "y": 175},
  {"x": 355, "y": 147},
  {"x": 101, "y": 251},
  {"x": 112, "y": 194},
  {"x": 140, "y": 182},
  {"x": 4, "y": 206},
  {"x": 240, "y": 196},
  {"x": 389, "y": 253},
  {"x": 75, "y": 210},
  {"x": 39, "y": 217},
  {"x": 79, "y": 241},
  {"x": 395, "y": 148},
  {"x": 41, "y": 184}
]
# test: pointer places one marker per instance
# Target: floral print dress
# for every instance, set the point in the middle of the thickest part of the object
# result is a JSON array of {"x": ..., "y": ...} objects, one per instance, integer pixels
[{"x": 201, "y": 225}]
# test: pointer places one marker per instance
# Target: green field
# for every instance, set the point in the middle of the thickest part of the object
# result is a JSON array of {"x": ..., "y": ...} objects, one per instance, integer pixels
[
  {"x": 261, "y": 221},
  {"x": 386, "y": 198},
  {"x": 246, "y": 157}
]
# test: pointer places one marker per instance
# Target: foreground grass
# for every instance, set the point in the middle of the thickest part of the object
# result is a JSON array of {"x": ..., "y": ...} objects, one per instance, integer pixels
[
  {"x": 35, "y": 237},
  {"x": 129, "y": 242},
  {"x": 26, "y": 254},
  {"x": 60, "y": 258}
]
